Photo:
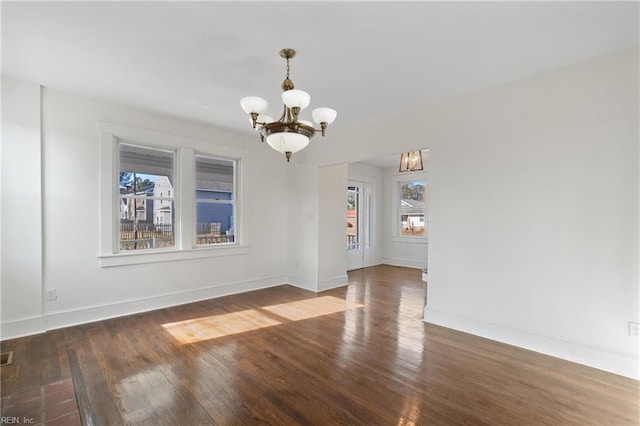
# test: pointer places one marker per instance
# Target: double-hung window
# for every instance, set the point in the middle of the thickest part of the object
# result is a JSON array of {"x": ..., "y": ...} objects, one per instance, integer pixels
[
  {"x": 166, "y": 198},
  {"x": 410, "y": 209}
]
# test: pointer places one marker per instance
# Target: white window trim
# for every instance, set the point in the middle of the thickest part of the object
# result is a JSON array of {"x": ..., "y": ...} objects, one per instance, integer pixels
[
  {"x": 185, "y": 247},
  {"x": 395, "y": 210}
]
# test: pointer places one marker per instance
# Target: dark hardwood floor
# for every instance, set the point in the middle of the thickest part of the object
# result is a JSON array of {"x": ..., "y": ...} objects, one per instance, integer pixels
[{"x": 354, "y": 355}]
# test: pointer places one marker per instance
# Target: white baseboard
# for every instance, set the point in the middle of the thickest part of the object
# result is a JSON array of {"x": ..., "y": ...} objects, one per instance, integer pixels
[
  {"x": 318, "y": 286},
  {"x": 334, "y": 282},
  {"x": 408, "y": 263},
  {"x": 602, "y": 358},
  {"x": 302, "y": 283},
  {"x": 21, "y": 327},
  {"x": 69, "y": 317}
]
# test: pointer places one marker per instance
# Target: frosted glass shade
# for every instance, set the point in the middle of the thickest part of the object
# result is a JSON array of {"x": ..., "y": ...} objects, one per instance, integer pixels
[
  {"x": 253, "y": 104},
  {"x": 324, "y": 115},
  {"x": 287, "y": 142},
  {"x": 296, "y": 98}
]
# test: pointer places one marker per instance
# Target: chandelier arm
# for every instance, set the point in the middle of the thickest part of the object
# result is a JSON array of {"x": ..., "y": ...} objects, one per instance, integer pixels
[
  {"x": 254, "y": 118},
  {"x": 284, "y": 114}
]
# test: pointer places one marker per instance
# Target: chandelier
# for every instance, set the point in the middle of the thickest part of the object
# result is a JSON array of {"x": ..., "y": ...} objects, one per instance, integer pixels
[
  {"x": 411, "y": 162},
  {"x": 288, "y": 134}
]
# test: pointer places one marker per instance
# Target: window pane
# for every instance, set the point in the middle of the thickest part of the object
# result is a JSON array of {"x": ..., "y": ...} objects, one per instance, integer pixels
[
  {"x": 353, "y": 204},
  {"x": 147, "y": 213},
  {"x": 215, "y": 223},
  {"x": 412, "y": 208},
  {"x": 214, "y": 175},
  {"x": 139, "y": 233}
]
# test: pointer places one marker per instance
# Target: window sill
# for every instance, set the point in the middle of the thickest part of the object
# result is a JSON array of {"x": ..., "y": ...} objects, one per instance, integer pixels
[
  {"x": 411, "y": 240},
  {"x": 133, "y": 258}
]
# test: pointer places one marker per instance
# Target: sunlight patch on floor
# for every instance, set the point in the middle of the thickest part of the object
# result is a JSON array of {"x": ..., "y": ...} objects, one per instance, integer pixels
[
  {"x": 196, "y": 330},
  {"x": 215, "y": 326},
  {"x": 311, "y": 308}
]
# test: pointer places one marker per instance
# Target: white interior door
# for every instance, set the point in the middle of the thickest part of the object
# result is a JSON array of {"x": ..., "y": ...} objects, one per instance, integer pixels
[{"x": 359, "y": 224}]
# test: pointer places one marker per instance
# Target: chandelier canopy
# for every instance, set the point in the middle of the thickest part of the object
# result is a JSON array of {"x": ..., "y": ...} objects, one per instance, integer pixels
[{"x": 288, "y": 134}]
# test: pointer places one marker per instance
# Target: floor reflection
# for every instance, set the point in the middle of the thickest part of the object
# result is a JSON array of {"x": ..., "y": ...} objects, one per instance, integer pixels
[
  {"x": 140, "y": 404},
  {"x": 215, "y": 326}
]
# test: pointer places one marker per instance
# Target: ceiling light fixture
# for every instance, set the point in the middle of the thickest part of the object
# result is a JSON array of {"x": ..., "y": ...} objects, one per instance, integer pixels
[
  {"x": 411, "y": 162},
  {"x": 287, "y": 134}
]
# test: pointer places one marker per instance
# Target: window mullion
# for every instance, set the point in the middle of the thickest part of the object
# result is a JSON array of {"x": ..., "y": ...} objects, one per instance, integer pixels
[{"x": 186, "y": 197}]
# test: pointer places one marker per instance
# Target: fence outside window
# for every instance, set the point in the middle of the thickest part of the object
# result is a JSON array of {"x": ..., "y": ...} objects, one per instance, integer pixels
[{"x": 147, "y": 235}]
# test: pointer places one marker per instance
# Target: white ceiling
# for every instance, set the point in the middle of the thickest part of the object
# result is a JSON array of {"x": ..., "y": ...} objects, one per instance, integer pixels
[{"x": 197, "y": 59}]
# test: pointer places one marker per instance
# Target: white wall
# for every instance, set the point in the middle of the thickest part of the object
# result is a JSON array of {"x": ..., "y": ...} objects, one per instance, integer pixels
[
  {"x": 21, "y": 261},
  {"x": 534, "y": 214},
  {"x": 534, "y": 195},
  {"x": 70, "y": 192},
  {"x": 302, "y": 219},
  {"x": 331, "y": 209}
]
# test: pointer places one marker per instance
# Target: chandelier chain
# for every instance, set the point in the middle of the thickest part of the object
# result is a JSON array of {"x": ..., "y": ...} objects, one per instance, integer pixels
[{"x": 287, "y": 68}]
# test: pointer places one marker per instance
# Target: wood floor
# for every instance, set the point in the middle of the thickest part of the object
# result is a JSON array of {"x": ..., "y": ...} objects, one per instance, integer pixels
[{"x": 354, "y": 355}]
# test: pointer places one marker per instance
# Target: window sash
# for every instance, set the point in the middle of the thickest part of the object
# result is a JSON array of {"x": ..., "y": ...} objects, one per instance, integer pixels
[
  {"x": 214, "y": 174},
  {"x": 143, "y": 159}
]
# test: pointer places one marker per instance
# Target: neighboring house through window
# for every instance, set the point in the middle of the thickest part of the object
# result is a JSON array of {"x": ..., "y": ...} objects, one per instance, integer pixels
[
  {"x": 412, "y": 208},
  {"x": 144, "y": 175},
  {"x": 409, "y": 210}
]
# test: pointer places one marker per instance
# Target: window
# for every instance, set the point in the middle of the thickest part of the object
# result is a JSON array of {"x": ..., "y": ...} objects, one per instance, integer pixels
[
  {"x": 353, "y": 225},
  {"x": 165, "y": 198},
  {"x": 146, "y": 215},
  {"x": 215, "y": 200},
  {"x": 412, "y": 200}
]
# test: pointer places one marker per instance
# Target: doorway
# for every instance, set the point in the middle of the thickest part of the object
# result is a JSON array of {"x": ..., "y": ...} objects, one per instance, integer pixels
[{"x": 359, "y": 224}]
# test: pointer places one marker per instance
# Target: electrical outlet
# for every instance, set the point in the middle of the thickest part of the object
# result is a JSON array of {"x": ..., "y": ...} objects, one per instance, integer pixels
[
  {"x": 634, "y": 329},
  {"x": 51, "y": 294}
]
